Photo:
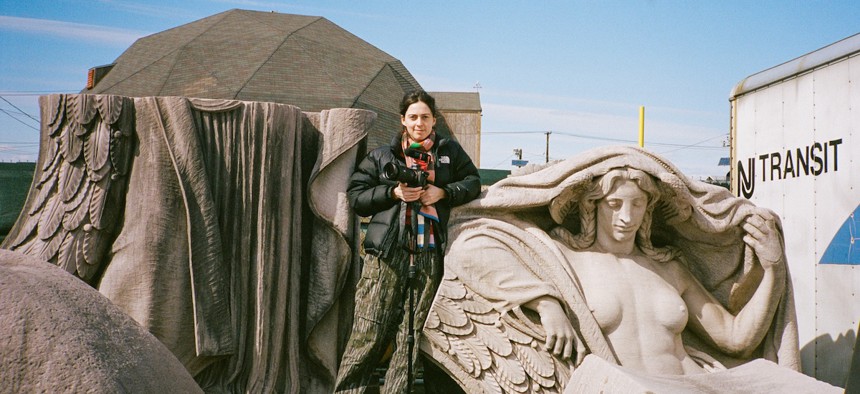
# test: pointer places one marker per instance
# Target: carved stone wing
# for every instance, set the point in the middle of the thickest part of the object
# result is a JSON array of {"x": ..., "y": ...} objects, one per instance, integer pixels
[
  {"x": 487, "y": 351},
  {"x": 78, "y": 192}
]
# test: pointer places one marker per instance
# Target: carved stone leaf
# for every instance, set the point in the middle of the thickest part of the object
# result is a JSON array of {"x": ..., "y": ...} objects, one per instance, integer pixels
[
  {"x": 110, "y": 107},
  {"x": 452, "y": 290},
  {"x": 85, "y": 108},
  {"x": 71, "y": 177},
  {"x": 97, "y": 148},
  {"x": 50, "y": 218},
  {"x": 538, "y": 365},
  {"x": 450, "y": 313},
  {"x": 432, "y": 320},
  {"x": 494, "y": 339},
  {"x": 98, "y": 199},
  {"x": 510, "y": 374}
]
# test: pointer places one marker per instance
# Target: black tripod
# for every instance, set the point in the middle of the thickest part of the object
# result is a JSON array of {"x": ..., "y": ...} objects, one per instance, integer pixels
[{"x": 414, "y": 250}]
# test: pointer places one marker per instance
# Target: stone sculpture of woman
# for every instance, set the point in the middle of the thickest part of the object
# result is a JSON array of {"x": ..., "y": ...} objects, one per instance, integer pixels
[{"x": 613, "y": 253}]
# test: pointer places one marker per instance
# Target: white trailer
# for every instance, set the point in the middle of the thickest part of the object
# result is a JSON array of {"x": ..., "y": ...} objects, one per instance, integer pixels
[{"x": 795, "y": 148}]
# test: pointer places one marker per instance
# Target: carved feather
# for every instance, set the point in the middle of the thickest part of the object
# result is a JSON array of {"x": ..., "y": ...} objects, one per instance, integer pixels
[
  {"x": 27, "y": 231},
  {"x": 464, "y": 356},
  {"x": 432, "y": 320},
  {"x": 110, "y": 107},
  {"x": 55, "y": 108},
  {"x": 517, "y": 336},
  {"x": 481, "y": 355},
  {"x": 71, "y": 178},
  {"x": 77, "y": 209},
  {"x": 494, "y": 338},
  {"x": 80, "y": 130},
  {"x": 49, "y": 171},
  {"x": 51, "y": 148},
  {"x": 486, "y": 318},
  {"x": 466, "y": 329},
  {"x": 473, "y": 306},
  {"x": 490, "y": 385},
  {"x": 70, "y": 216},
  {"x": 97, "y": 148},
  {"x": 71, "y": 145},
  {"x": 98, "y": 197},
  {"x": 438, "y": 339},
  {"x": 67, "y": 258},
  {"x": 46, "y": 190},
  {"x": 91, "y": 253},
  {"x": 538, "y": 365},
  {"x": 85, "y": 108},
  {"x": 120, "y": 143},
  {"x": 450, "y": 313},
  {"x": 50, "y": 218},
  {"x": 453, "y": 290},
  {"x": 510, "y": 374},
  {"x": 51, "y": 246}
]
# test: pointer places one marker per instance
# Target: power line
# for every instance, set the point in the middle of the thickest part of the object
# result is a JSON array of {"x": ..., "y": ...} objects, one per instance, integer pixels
[
  {"x": 19, "y": 109},
  {"x": 19, "y": 120},
  {"x": 622, "y": 140}
]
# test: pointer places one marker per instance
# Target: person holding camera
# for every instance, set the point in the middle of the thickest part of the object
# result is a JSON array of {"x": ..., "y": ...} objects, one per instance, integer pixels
[{"x": 408, "y": 189}]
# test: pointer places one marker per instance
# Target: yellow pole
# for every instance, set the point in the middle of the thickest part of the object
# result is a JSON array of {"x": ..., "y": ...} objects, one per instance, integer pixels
[{"x": 642, "y": 126}]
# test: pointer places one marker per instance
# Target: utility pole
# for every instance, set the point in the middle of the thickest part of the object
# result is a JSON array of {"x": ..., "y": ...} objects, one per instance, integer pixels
[{"x": 547, "y": 145}]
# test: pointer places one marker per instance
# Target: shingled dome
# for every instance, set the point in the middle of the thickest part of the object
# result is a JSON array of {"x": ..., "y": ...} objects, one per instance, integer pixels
[{"x": 305, "y": 61}]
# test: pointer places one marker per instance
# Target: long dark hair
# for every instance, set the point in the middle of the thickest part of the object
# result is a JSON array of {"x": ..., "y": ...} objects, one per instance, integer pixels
[{"x": 416, "y": 96}]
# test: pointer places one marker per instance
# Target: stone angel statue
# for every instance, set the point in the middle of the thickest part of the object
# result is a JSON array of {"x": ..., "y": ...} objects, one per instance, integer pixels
[{"x": 612, "y": 254}]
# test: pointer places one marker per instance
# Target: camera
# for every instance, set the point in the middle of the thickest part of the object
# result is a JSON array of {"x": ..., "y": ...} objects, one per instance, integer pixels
[{"x": 397, "y": 172}]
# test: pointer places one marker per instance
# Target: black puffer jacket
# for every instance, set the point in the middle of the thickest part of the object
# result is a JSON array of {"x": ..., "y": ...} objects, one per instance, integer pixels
[{"x": 371, "y": 195}]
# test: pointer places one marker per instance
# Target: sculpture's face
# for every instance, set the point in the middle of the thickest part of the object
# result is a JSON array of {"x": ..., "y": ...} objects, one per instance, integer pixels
[
  {"x": 620, "y": 213},
  {"x": 419, "y": 121}
]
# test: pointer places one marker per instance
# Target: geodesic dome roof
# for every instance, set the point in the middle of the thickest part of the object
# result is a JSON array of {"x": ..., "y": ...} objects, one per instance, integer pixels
[{"x": 305, "y": 61}]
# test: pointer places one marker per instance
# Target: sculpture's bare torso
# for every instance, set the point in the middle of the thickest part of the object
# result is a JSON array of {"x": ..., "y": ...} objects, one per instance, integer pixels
[{"x": 637, "y": 305}]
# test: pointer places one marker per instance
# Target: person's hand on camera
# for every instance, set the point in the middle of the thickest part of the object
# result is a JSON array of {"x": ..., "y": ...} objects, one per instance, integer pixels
[
  {"x": 408, "y": 194},
  {"x": 432, "y": 194}
]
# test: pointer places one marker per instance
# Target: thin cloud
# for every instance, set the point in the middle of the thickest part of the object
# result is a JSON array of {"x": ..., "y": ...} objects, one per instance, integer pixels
[{"x": 70, "y": 30}]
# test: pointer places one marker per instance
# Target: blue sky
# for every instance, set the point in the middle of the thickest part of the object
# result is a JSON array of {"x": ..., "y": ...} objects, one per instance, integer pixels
[{"x": 579, "y": 69}]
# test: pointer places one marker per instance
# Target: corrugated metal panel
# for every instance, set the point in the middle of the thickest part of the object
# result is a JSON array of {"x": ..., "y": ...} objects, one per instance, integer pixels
[
  {"x": 795, "y": 150},
  {"x": 838, "y": 50}
]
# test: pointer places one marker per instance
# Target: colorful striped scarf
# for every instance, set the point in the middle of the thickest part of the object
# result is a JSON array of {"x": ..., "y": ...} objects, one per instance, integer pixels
[{"x": 424, "y": 236}]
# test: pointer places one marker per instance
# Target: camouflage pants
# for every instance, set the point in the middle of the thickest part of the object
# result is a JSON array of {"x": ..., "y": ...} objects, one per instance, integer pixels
[{"x": 381, "y": 315}]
